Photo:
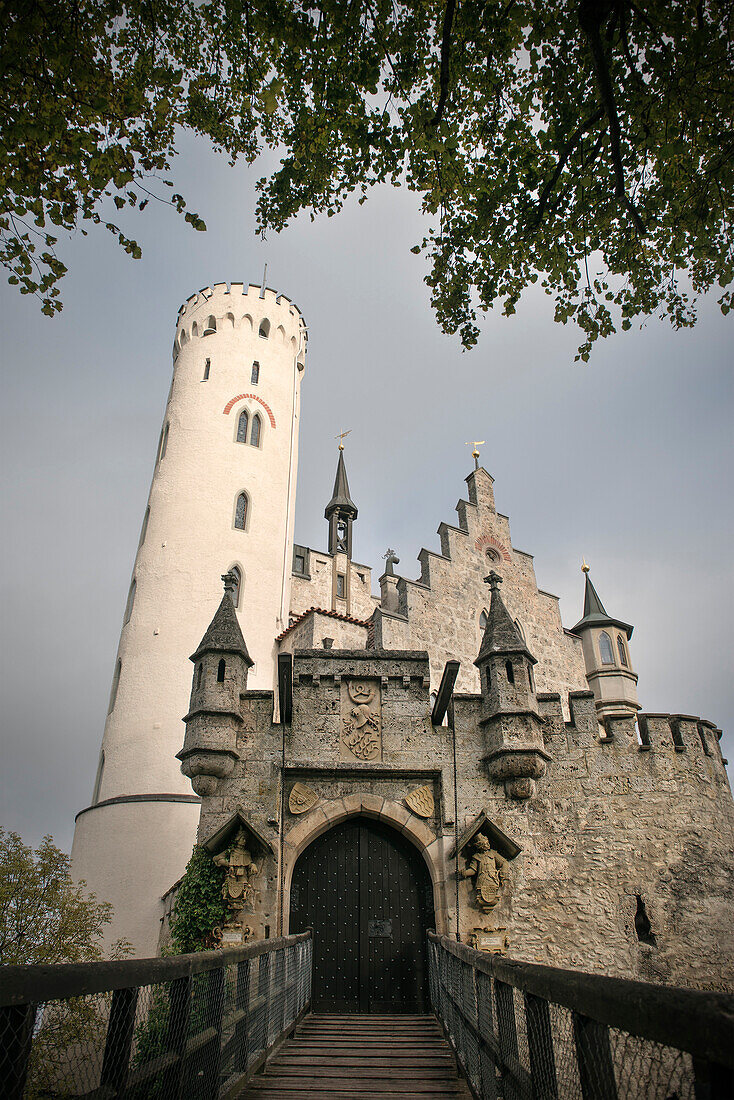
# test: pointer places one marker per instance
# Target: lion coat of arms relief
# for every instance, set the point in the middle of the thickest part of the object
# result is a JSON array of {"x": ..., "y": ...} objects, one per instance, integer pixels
[{"x": 361, "y": 727}]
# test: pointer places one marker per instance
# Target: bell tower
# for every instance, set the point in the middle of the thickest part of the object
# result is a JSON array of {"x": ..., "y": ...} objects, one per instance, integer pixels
[{"x": 341, "y": 512}]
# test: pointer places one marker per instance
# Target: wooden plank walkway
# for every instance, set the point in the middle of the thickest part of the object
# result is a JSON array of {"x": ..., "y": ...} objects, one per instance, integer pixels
[{"x": 361, "y": 1058}]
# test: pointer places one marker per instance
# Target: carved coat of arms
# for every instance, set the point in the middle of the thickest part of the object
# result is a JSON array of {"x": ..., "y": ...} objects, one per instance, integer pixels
[
  {"x": 301, "y": 798},
  {"x": 361, "y": 729},
  {"x": 420, "y": 800}
]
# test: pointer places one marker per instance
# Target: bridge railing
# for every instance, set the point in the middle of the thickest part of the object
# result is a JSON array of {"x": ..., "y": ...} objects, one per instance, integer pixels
[
  {"x": 194, "y": 1026},
  {"x": 527, "y": 1032}
]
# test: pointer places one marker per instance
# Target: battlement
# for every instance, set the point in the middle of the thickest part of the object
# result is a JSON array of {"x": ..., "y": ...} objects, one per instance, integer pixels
[{"x": 233, "y": 305}]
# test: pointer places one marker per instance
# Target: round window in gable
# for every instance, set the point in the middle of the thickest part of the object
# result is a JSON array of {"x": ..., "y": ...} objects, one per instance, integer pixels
[{"x": 493, "y": 556}]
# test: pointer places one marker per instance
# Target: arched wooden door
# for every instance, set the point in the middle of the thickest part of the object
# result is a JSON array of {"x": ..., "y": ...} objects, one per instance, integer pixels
[{"x": 367, "y": 894}]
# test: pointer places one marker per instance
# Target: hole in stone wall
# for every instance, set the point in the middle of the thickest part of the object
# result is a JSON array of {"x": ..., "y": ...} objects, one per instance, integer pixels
[
  {"x": 510, "y": 672},
  {"x": 643, "y": 928},
  {"x": 220, "y": 671}
]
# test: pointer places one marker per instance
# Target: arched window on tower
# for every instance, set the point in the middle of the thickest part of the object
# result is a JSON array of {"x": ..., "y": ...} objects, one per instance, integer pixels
[
  {"x": 510, "y": 672},
  {"x": 207, "y": 368},
  {"x": 98, "y": 780},
  {"x": 220, "y": 671},
  {"x": 483, "y": 621},
  {"x": 255, "y": 431},
  {"x": 622, "y": 651},
  {"x": 242, "y": 427},
  {"x": 144, "y": 528},
  {"x": 115, "y": 685},
  {"x": 264, "y": 330},
  {"x": 518, "y": 627},
  {"x": 255, "y": 375},
  {"x": 164, "y": 444},
  {"x": 235, "y": 571},
  {"x": 240, "y": 514},
  {"x": 211, "y": 326},
  {"x": 130, "y": 601},
  {"x": 605, "y": 648}
]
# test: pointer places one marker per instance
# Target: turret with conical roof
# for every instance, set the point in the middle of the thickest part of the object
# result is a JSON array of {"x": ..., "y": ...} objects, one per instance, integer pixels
[
  {"x": 513, "y": 728},
  {"x": 221, "y": 663},
  {"x": 341, "y": 511},
  {"x": 605, "y": 644}
]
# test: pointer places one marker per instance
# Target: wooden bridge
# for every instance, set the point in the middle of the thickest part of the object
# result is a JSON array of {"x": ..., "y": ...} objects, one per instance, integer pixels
[{"x": 238, "y": 1024}]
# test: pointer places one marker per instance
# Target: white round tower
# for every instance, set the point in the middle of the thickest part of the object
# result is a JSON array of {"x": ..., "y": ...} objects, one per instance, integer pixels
[{"x": 222, "y": 499}]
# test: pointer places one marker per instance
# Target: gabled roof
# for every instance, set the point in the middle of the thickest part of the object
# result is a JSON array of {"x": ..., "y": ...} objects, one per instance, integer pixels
[
  {"x": 341, "y": 500},
  {"x": 223, "y": 633},
  {"x": 501, "y": 635},
  {"x": 595, "y": 613}
]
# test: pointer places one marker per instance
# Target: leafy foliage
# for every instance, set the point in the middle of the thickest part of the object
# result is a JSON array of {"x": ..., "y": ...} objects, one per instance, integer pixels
[
  {"x": 585, "y": 144},
  {"x": 45, "y": 917},
  {"x": 199, "y": 906}
]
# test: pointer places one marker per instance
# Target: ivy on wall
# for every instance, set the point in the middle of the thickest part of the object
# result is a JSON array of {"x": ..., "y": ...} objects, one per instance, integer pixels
[{"x": 199, "y": 907}]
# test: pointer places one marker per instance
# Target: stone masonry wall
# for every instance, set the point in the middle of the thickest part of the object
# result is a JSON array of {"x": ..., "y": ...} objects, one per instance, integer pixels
[{"x": 611, "y": 821}]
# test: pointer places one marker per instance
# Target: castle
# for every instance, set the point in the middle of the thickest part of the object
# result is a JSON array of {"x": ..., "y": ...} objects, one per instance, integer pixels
[{"x": 445, "y": 754}]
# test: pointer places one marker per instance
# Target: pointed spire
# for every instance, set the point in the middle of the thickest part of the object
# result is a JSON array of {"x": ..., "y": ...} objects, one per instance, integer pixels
[
  {"x": 341, "y": 500},
  {"x": 223, "y": 632},
  {"x": 500, "y": 635},
  {"x": 595, "y": 614}
]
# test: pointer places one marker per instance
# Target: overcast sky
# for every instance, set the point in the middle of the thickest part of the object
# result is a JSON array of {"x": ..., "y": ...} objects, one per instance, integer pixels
[{"x": 625, "y": 460}]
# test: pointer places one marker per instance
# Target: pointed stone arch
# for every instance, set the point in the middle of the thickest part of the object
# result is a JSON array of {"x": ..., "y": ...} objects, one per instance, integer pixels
[{"x": 328, "y": 813}]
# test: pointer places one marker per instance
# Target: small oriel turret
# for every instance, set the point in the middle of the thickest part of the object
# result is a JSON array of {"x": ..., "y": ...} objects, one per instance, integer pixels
[
  {"x": 220, "y": 677},
  {"x": 512, "y": 725},
  {"x": 604, "y": 641}
]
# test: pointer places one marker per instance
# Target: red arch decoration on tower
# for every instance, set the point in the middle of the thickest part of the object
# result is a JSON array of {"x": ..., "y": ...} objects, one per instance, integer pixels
[{"x": 253, "y": 397}]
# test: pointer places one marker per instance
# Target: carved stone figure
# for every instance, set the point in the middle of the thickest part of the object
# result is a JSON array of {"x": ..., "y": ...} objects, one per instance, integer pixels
[
  {"x": 420, "y": 800},
  {"x": 238, "y": 889},
  {"x": 361, "y": 728},
  {"x": 489, "y": 871}
]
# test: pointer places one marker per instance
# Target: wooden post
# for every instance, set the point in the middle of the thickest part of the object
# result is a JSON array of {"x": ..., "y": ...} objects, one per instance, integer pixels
[
  {"x": 507, "y": 1035},
  {"x": 540, "y": 1044},
  {"x": 594, "y": 1055},
  {"x": 16, "y": 1041},
  {"x": 120, "y": 1031},
  {"x": 179, "y": 1013}
]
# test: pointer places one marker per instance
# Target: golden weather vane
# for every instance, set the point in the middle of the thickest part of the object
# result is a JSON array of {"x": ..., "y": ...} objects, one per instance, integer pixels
[
  {"x": 584, "y": 566},
  {"x": 475, "y": 453},
  {"x": 341, "y": 437}
]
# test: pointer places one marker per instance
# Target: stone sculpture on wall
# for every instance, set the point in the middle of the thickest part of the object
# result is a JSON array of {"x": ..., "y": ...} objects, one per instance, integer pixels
[
  {"x": 489, "y": 871},
  {"x": 361, "y": 727},
  {"x": 238, "y": 889}
]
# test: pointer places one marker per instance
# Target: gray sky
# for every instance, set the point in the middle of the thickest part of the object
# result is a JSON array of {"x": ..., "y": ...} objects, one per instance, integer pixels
[{"x": 625, "y": 460}]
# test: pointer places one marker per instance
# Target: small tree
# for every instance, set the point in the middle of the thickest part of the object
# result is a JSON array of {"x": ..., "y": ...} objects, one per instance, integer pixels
[{"x": 45, "y": 917}]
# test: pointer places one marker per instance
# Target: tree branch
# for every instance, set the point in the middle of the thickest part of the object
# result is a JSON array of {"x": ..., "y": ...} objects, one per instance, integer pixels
[
  {"x": 565, "y": 153},
  {"x": 448, "y": 20}
]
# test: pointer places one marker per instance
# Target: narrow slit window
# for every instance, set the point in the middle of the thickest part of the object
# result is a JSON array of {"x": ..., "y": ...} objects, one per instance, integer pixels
[
  {"x": 255, "y": 374},
  {"x": 207, "y": 368},
  {"x": 510, "y": 672},
  {"x": 164, "y": 443},
  {"x": 130, "y": 601},
  {"x": 221, "y": 667},
  {"x": 643, "y": 928},
  {"x": 341, "y": 585},
  {"x": 199, "y": 672},
  {"x": 211, "y": 326},
  {"x": 98, "y": 780},
  {"x": 605, "y": 648},
  {"x": 240, "y": 516},
  {"x": 115, "y": 685},
  {"x": 144, "y": 529},
  {"x": 622, "y": 651},
  {"x": 483, "y": 621},
  {"x": 242, "y": 427},
  {"x": 255, "y": 431}
]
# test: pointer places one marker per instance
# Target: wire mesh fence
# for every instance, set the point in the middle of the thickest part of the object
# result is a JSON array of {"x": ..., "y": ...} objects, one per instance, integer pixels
[
  {"x": 525, "y": 1032},
  {"x": 194, "y": 1026}
]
